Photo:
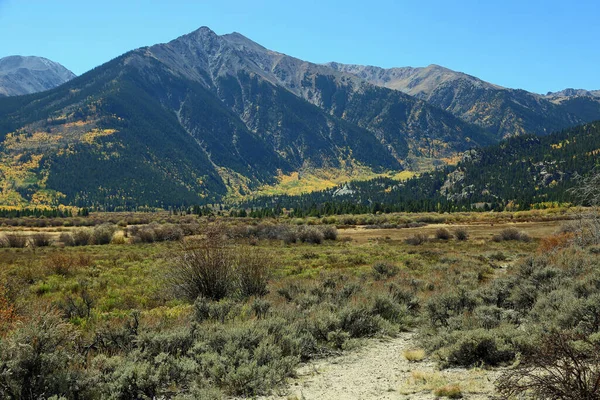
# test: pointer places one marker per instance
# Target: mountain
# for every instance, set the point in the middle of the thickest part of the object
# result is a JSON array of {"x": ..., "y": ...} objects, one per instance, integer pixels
[
  {"x": 25, "y": 75},
  {"x": 203, "y": 116},
  {"x": 572, "y": 93},
  {"x": 501, "y": 111},
  {"x": 521, "y": 172}
]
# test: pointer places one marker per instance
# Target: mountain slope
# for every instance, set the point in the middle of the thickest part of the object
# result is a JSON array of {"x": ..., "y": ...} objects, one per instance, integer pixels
[
  {"x": 25, "y": 75},
  {"x": 518, "y": 173},
  {"x": 203, "y": 116},
  {"x": 503, "y": 112}
]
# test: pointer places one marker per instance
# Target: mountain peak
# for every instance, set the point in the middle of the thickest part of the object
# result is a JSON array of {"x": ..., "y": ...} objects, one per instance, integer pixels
[
  {"x": 28, "y": 74},
  {"x": 242, "y": 42},
  {"x": 204, "y": 30}
]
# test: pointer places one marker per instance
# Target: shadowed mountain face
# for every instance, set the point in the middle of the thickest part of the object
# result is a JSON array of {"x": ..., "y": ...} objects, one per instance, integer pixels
[
  {"x": 501, "y": 111},
  {"x": 189, "y": 121},
  {"x": 205, "y": 116},
  {"x": 25, "y": 75}
]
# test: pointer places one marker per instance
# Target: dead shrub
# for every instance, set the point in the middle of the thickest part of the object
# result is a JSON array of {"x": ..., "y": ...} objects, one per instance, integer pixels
[
  {"x": 61, "y": 264},
  {"x": 555, "y": 242},
  {"x": 563, "y": 366}
]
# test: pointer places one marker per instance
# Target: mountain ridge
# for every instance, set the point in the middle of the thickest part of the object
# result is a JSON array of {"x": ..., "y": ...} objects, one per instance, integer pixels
[
  {"x": 208, "y": 116},
  {"x": 503, "y": 111},
  {"x": 21, "y": 75}
]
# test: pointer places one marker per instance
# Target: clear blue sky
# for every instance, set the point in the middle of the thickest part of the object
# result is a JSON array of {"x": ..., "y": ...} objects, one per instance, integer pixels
[{"x": 531, "y": 44}]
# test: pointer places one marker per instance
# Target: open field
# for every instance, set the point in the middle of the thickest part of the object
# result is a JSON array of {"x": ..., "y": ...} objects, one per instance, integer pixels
[{"x": 299, "y": 293}]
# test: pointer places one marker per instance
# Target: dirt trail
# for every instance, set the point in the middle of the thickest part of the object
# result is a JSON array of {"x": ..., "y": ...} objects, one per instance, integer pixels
[{"x": 380, "y": 371}]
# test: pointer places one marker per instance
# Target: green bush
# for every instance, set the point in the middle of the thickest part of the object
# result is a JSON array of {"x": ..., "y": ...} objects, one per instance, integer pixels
[
  {"x": 383, "y": 270},
  {"x": 102, "y": 234},
  {"x": 476, "y": 347},
  {"x": 202, "y": 269},
  {"x": 39, "y": 360}
]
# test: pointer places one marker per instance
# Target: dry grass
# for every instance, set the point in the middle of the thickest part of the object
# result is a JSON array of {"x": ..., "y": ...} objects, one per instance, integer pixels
[
  {"x": 448, "y": 382},
  {"x": 450, "y": 391},
  {"x": 414, "y": 355}
]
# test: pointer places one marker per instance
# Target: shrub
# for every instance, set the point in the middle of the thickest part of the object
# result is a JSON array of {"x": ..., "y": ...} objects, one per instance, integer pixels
[
  {"x": 562, "y": 366},
  {"x": 38, "y": 360},
  {"x": 461, "y": 234},
  {"x": 16, "y": 240},
  {"x": 443, "y": 234},
  {"x": 66, "y": 239},
  {"x": 102, "y": 234},
  {"x": 476, "y": 347},
  {"x": 309, "y": 234},
  {"x": 118, "y": 238},
  {"x": 40, "y": 240},
  {"x": 252, "y": 272},
  {"x": 290, "y": 237},
  {"x": 417, "y": 239},
  {"x": 204, "y": 268},
  {"x": 359, "y": 322},
  {"x": 145, "y": 235},
  {"x": 61, "y": 264},
  {"x": 329, "y": 232},
  {"x": 167, "y": 232},
  {"x": 7, "y": 312},
  {"x": 82, "y": 237},
  {"x": 383, "y": 270},
  {"x": 511, "y": 234}
]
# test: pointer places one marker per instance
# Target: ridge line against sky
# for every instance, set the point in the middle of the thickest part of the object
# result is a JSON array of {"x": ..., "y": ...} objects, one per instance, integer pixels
[{"x": 535, "y": 45}]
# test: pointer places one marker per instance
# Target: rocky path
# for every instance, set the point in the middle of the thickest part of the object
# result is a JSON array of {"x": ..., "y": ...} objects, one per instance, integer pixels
[{"x": 380, "y": 371}]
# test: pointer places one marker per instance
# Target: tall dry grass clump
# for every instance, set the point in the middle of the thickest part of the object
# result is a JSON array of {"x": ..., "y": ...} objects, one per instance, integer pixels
[{"x": 212, "y": 269}]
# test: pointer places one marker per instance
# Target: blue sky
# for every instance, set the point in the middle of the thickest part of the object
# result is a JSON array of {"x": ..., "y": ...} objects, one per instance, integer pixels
[{"x": 531, "y": 44}]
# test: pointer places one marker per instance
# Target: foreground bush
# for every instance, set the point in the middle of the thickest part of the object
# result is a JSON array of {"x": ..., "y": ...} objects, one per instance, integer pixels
[
  {"x": 562, "y": 366},
  {"x": 39, "y": 359}
]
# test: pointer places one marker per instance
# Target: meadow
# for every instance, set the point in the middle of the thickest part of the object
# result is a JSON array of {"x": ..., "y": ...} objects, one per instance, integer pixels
[{"x": 136, "y": 305}]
